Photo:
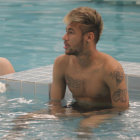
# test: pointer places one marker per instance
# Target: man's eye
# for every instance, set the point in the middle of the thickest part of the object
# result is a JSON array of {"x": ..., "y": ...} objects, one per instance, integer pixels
[{"x": 70, "y": 32}]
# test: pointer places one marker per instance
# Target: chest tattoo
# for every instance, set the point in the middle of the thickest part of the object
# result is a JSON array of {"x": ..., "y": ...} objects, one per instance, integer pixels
[{"x": 73, "y": 83}]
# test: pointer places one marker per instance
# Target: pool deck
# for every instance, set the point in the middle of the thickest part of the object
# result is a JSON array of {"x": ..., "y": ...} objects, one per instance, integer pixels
[{"x": 38, "y": 81}]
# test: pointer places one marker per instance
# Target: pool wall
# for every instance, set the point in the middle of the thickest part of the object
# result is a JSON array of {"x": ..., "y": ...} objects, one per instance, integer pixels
[{"x": 36, "y": 83}]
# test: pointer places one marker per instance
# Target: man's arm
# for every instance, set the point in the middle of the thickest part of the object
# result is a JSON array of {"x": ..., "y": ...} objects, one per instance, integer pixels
[
  {"x": 58, "y": 86},
  {"x": 115, "y": 80}
]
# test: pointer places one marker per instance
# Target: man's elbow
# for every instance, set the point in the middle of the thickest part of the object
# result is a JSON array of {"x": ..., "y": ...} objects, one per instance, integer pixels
[
  {"x": 124, "y": 107},
  {"x": 121, "y": 107}
]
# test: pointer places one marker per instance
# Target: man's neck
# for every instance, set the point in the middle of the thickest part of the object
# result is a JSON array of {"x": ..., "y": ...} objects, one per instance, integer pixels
[{"x": 87, "y": 58}]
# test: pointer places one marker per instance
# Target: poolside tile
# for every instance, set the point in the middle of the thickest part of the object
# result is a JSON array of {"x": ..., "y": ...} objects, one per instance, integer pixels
[
  {"x": 3, "y": 80},
  {"x": 45, "y": 81},
  {"x": 126, "y": 80},
  {"x": 34, "y": 81},
  {"x": 134, "y": 82},
  {"x": 42, "y": 91},
  {"x": 13, "y": 88},
  {"x": 28, "y": 90}
]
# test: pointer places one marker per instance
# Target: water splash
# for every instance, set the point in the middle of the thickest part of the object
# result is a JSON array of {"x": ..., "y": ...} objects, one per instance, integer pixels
[
  {"x": 2, "y": 87},
  {"x": 21, "y": 100}
]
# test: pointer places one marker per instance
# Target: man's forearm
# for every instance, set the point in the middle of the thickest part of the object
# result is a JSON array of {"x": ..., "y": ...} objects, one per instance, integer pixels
[
  {"x": 113, "y": 110},
  {"x": 55, "y": 107},
  {"x": 95, "y": 118}
]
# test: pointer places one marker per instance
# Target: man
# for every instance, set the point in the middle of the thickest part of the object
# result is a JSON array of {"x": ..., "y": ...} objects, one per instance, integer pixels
[
  {"x": 96, "y": 80},
  {"x": 5, "y": 67}
]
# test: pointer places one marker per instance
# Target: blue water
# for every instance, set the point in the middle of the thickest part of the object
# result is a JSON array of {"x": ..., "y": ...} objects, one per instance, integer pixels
[{"x": 31, "y": 30}]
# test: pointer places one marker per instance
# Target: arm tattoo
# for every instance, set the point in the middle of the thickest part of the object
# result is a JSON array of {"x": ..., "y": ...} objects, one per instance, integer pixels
[
  {"x": 118, "y": 76},
  {"x": 73, "y": 83},
  {"x": 120, "y": 95}
]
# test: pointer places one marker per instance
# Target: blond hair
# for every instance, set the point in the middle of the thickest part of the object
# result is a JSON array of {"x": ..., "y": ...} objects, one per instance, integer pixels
[{"x": 89, "y": 19}]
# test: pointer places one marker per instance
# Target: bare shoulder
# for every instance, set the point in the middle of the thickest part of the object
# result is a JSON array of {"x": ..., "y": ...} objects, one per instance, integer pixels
[
  {"x": 61, "y": 60},
  {"x": 5, "y": 66},
  {"x": 111, "y": 64},
  {"x": 5, "y": 62},
  {"x": 60, "y": 63}
]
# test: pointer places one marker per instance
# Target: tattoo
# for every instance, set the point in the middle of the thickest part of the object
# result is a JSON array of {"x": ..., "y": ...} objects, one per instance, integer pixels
[
  {"x": 118, "y": 75},
  {"x": 120, "y": 95},
  {"x": 73, "y": 83}
]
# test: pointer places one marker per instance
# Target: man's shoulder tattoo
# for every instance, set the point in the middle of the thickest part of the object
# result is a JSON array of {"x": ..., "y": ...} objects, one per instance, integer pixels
[{"x": 117, "y": 75}]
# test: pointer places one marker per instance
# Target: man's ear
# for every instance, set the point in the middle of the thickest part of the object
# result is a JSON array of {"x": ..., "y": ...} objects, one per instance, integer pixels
[{"x": 90, "y": 36}]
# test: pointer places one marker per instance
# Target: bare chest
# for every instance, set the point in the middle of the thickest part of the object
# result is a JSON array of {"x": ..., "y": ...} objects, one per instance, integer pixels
[{"x": 86, "y": 85}]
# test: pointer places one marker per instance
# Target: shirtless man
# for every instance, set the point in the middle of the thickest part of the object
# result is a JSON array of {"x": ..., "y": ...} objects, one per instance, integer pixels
[
  {"x": 5, "y": 66},
  {"x": 96, "y": 80}
]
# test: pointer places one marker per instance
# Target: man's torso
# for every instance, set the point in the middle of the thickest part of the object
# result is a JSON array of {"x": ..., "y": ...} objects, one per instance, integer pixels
[{"x": 87, "y": 85}]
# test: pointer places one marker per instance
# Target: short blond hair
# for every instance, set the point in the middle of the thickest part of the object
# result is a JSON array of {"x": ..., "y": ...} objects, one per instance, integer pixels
[{"x": 89, "y": 19}]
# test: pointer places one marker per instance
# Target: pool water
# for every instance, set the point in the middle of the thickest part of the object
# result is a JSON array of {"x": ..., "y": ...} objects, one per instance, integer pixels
[
  {"x": 31, "y": 31},
  {"x": 123, "y": 126},
  {"x": 31, "y": 36}
]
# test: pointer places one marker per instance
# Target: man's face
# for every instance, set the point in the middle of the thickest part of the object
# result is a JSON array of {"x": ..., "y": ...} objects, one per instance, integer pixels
[{"x": 73, "y": 39}]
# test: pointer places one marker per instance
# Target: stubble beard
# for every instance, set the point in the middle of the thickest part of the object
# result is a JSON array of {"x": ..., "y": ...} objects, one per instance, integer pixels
[{"x": 77, "y": 51}]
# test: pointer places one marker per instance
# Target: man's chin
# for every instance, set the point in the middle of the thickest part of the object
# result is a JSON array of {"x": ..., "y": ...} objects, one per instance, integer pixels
[{"x": 67, "y": 52}]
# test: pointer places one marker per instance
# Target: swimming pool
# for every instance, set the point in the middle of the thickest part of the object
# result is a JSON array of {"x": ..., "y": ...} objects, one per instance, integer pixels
[
  {"x": 48, "y": 127},
  {"x": 28, "y": 91},
  {"x": 31, "y": 31},
  {"x": 31, "y": 34}
]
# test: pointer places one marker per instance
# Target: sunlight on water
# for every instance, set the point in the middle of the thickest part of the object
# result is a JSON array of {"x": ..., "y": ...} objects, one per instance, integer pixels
[{"x": 20, "y": 100}]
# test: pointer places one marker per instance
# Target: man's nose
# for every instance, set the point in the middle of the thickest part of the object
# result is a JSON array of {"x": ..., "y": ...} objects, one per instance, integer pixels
[{"x": 65, "y": 37}]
